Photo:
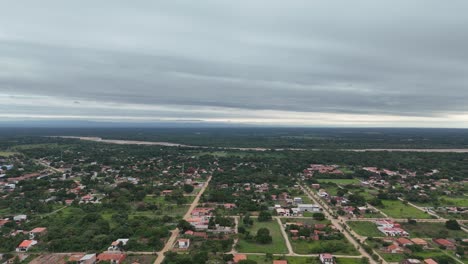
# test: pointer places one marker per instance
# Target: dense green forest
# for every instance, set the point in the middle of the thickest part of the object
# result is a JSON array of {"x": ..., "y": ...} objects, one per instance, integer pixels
[{"x": 323, "y": 138}]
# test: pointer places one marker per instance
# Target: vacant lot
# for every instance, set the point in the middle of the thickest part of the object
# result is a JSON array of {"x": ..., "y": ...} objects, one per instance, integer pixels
[
  {"x": 397, "y": 209},
  {"x": 277, "y": 246},
  {"x": 367, "y": 229},
  {"x": 432, "y": 230},
  {"x": 339, "y": 181},
  {"x": 340, "y": 247},
  {"x": 7, "y": 153},
  {"x": 303, "y": 260},
  {"x": 141, "y": 259}
]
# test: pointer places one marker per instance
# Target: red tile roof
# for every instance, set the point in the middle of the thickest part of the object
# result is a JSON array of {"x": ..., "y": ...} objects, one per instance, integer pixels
[{"x": 111, "y": 256}]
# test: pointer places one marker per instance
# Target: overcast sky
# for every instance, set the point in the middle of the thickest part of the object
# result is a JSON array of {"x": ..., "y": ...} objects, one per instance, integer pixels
[{"x": 300, "y": 63}]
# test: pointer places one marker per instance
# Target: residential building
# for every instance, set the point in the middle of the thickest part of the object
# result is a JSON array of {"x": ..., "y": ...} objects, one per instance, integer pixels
[
  {"x": 326, "y": 258},
  {"x": 25, "y": 245},
  {"x": 88, "y": 259},
  {"x": 309, "y": 208}
]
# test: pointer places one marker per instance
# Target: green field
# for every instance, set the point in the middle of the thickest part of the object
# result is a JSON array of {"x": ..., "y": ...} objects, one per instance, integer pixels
[
  {"x": 392, "y": 257},
  {"x": 340, "y": 247},
  {"x": 454, "y": 201},
  {"x": 307, "y": 221},
  {"x": 432, "y": 230},
  {"x": 7, "y": 153},
  {"x": 339, "y": 181},
  {"x": 367, "y": 229},
  {"x": 277, "y": 246},
  {"x": 302, "y": 260},
  {"x": 142, "y": 259},
  {"x": 396, "y": 209}
]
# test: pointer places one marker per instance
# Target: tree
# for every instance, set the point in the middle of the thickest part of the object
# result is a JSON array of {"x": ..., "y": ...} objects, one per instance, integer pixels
[
  {"x": 452, "y": 225},
  {"x": 188, "y": 188},
  {"x": 318, "y": 216},
  {"x": 247, "y": 221},
  {"x": 263, "y": 236},
  {"x": 184, "y": 225},
  {"x": 264, "y": 216}
]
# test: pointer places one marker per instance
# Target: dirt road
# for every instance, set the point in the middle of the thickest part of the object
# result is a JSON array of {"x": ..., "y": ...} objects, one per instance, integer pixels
[
  {"x": 176, "y": 232},
  {"x": 336, "y": 223}
]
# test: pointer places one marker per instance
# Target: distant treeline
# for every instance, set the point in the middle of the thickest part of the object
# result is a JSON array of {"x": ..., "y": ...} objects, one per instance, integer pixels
[{"x": 321, "y": 138}]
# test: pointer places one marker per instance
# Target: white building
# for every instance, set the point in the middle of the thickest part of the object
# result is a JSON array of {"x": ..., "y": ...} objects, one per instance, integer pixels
[{"x": 309, "y": 208}]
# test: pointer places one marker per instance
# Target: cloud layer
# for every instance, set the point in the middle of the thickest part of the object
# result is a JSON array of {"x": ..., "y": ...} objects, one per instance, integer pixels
[{"x": 364, "y": 63}]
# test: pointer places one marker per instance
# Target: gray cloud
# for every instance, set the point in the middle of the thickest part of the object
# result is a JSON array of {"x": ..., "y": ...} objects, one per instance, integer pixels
[{"x": 403, "y": 58}]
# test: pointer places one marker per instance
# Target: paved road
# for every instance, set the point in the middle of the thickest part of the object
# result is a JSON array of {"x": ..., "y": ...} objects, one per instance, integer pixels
[
  {"x": 336, "y": 223},
  {"x": 175, "y": 233}
]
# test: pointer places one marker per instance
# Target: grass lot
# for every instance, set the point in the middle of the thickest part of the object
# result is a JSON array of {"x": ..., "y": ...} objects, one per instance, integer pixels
[
  {"x": 368, "y": 229},
  {"x": 339, "y": 181},
  {"x": 392, "y": 257},
  {"x": 291, "y": 260},
  {"x": 454, "y": 201},
  {"x": 340, "y": 247},
  {"x": 142, "y": 259},
  {"x": 302, "y": 260},
  {"x": 373, "y": 215},
  {"x": 432, "y": 230},
  {"x": 307, "y": 221},
  {"x": 7, "y": 153},
  {"x": 277, "y": 246},
  {"x": 396, "y": 209}
]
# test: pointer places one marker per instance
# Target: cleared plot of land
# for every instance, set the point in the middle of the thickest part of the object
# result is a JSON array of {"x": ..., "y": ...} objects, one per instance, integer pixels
[
  {"x": 367, "y": 229},
  {"x": 454, "y": 201},
  {"x": 7, "y": 153},
  {"x": 339, "y": 247},
  {"x": 303, "y": 260},
  {"x": 141, "y": 259},
  {"x": 392, "y": 257},
  {"x": 307, "y": 221},
  {"x": 397, "y": 209},
  {"x": 340, "y": 181},
  {"x": 277, "y": 246},
  {"x": 432, "y": 230}
]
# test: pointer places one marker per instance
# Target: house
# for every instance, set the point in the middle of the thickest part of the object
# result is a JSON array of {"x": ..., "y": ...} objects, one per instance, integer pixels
[
  {"x": 315, "y": 186},
  {"x": 445, "y": 243},
  {"x": 3, "y": 222},
  {"x": 430, "y": 261},
  {"x": 280, "y": 262},
  {"x": 297, "y": 200},
  {"x": 411, "y": 261},
  {"x": 394, "y": 249},
  {"x": 117, "y": 244},
  {"x": 238, "y": 257},
  {"x": 326, "y": 258},
  {"x": 166, "y": 192},
  {"x": 282, "y": 212},
  {"x": 37, "y": 232},
  {"x": 88, "y": 259},
  {"x": 113, "y": 258},
  {"x": 390, "y": 228},
  {"x": 25, "y": 245},
  {"x": 309, "y": 208},
  {"x": 404, "y": 242},
  {"x": 421, "y": 242},
  {"x": 229, "y": 206},
  {"x": 20, "y": 218},
  {"x": 183, "y": 243}
]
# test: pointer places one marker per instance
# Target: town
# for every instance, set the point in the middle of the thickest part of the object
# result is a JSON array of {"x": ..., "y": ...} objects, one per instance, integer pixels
[{"x": 65, "y": 200}]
